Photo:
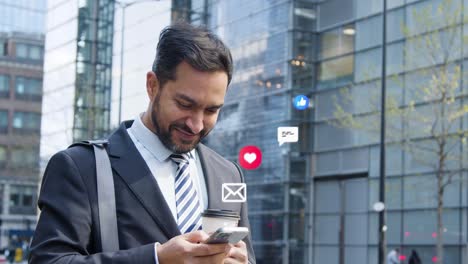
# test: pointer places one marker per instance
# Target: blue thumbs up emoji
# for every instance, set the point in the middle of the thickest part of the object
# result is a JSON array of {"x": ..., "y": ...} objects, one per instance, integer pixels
[{"x": 301, "y": 102}]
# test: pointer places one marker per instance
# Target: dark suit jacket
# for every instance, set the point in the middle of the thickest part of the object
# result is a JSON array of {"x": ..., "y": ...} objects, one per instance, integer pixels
[{"x": 68, "y": 226}]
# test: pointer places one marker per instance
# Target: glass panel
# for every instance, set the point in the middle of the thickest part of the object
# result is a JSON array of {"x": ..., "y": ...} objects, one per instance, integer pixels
[
  {"x": 356, "y": 229},
  {"x": 21, "y": 50},
  {"x": 354, "y": 253},
  {"x": 28, "y": 88},
  {"x": 326, "y": 199},
  {"x": 35, "y": 52},
  {"x": 368, "y": 65},
  {"x": 395, "y": 20},
  {"x": 4, "y": 86},
  {"x": 395, "y": 58},
  {"x": 266, "y": 227},
  {"x": 3, "y": 156},
  {"x": 366, "y": 32},
  {"x": 268, "y": 253},
  {"x": 326, "y": 254},
  {"x": 337, "y": 42},
  {"x": 24, "y": 157},
  {"x": 334, "y": 12},
  {"x": 393, "y": 158},
  {"x": 266, "y": 197},
  {"x": 305, "y": 15},
  {"x": 356, "y": 195},
  {"x": 336, "y": 72},
  {"x": 392, "y": 193},
  {"x": 393, "y": 223},
  {"x": 368, "y": 7},
  {"x": 326, "y": 229},
  {"x": 3, "y": 121},
  {"x": 27, "y": 121},
  {"x": 14, "y": 199},
  {"x": 327, "y": 163},
  {"x": 420, "y": 191}
]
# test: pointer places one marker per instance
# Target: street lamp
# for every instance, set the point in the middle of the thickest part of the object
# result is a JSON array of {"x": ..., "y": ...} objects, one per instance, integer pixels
[
  {"x": 123, "y": 5},
  {"x": 381, "y": 205}
]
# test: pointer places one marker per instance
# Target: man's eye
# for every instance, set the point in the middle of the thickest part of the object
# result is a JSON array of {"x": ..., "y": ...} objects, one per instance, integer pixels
[{"x": 183, "y": 105}]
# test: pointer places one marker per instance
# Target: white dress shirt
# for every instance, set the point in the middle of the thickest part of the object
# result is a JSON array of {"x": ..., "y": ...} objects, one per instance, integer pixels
[{"x": 156, "y": 156}]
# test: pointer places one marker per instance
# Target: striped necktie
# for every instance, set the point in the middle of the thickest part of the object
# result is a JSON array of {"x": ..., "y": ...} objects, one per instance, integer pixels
[{"x": 187, "y": 201}]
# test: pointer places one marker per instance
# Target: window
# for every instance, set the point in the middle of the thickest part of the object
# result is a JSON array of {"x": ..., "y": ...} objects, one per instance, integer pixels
[
  {"x": 3, "y": 156},
  {"x": 4, "y": 86},
  {"x": 24, "y": 157},
  {"x": 368, "y": 65},
  {"x": 3, "y": 48},
  {"x": 337, "y": 41},
  {"x": 336, "y": 72},
  {"x": 21, "y": 51},
  {"x": 3, "y": 121},
  {"x": 26, "y": 121},
  {"x": 22, "y": 199},
  {"x": 14, "y": 199},
  {"x": 35, "y": 52},
  {"x": 28, "y": 89},
  {"x": 368, "y": 7},
  {"x": 29, "y": 51},
  {"x": 335, "y": 12},
  {"x": 395, "y": 19},
  {"x": 366, "y": 33}
]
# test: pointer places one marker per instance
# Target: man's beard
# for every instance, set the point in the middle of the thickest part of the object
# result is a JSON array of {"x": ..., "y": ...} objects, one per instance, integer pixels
[{"x": 165, "y": 135}]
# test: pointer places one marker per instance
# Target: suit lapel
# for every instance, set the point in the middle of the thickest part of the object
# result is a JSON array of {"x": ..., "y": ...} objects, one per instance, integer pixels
[
  {"x": 131, "y": 167},
  {"x": 214, "y": 179}
]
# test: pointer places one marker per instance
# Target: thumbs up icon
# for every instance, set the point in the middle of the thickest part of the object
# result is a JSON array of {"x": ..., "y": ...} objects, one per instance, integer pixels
[{"x": 301, "y": 102}]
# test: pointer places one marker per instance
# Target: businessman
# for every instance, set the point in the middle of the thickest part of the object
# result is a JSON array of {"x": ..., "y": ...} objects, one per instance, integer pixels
[{"x": 163, "y": 176}]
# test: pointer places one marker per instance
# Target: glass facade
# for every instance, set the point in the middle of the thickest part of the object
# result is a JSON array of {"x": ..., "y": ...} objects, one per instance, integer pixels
[
  {"x": 312, "y": 202},
  {"x": 273, "y": 54},
  {"x": 77, "y": 73},
  {"x": 347, "y": 160},
  {"x": 23, "y": 16},
  {"x": 93, "y": 69}
]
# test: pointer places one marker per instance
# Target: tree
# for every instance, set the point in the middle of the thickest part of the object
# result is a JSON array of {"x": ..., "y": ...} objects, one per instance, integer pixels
[{"x": 428, "y": 122}]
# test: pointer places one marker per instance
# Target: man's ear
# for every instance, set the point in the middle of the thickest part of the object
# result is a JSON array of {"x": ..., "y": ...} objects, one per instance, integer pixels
[{"x": 152, "y": 85}]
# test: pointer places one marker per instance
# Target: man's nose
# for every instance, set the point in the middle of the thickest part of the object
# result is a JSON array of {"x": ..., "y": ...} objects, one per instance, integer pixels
[{"x": 195, "y": 122}]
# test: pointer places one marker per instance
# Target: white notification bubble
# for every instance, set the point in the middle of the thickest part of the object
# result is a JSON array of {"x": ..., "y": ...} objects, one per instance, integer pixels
[{"x": 288, "y": 135}]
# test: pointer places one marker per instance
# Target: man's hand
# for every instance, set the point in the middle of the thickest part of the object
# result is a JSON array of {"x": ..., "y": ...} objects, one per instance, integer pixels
[
  {"x": 189, "y": 248},
  {"x": 237, "y": 254}
]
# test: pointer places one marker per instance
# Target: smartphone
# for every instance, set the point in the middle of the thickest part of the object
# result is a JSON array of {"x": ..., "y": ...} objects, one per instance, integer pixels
[{"x": 230, "y": 235}]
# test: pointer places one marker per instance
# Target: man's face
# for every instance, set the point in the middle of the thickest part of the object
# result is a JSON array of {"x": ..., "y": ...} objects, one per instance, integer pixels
[{"x": 185, "y": 110}]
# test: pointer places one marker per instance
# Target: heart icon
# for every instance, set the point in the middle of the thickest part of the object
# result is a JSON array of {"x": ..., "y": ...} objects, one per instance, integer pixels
[{"x": 250, "y": 157}]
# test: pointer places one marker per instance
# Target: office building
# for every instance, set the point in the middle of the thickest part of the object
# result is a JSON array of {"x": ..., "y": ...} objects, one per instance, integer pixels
[
  {"x": 312, "y": 201},
  {"x": 21, "y": 59},
  {"x": 77, "y": 73}
]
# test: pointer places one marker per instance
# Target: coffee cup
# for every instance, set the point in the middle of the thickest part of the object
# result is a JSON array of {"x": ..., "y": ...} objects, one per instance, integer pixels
[{"x": 213, "y": 219}]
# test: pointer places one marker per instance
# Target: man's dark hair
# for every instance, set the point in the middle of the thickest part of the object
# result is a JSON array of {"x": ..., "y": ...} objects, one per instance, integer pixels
[{"x": 197, "y": 46}]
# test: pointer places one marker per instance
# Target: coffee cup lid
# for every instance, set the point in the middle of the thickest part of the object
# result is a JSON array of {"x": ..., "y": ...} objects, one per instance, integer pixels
[{"x": 220, "y": 213}]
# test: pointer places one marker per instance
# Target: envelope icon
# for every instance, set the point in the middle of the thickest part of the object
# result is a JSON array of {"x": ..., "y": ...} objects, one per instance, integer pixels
[{"x": 234, "y": 192}]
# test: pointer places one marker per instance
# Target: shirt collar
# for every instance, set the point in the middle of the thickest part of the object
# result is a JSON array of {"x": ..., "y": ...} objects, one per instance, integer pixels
[{"x": 151, "y": 141}]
